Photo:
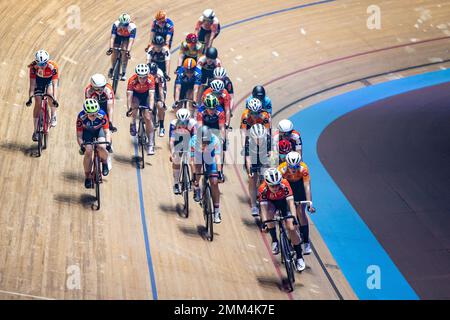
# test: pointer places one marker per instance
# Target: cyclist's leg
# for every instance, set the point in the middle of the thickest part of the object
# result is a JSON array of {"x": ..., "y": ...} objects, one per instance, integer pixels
[
  {"x": 103, "y": 154},
  {"x": 88, "y": 155},
  {"x": 145, "y": 101},
  {"x": 160, "y": 106},
  {"x": 176, "y": 165},
  {"x": 292, "y": 230},
  {"x": 201, "y": 38},
  {"x": 117, "y": 44},
  {"x": 40, "y": 87},
  {"x": 135, "y": 108},
  {"x": 271, "y": 228},
  {"x": 124, "y": 46},
  {"x": 252, "y": 189},
  {"x": 197, "y": 170},
  {"x": 301, "y": 212},
  {"x": 190, "y": 96}
]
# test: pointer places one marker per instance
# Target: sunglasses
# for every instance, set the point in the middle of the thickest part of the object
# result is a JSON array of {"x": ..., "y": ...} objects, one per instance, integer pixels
[
  {"x": 296, "y": 167},
  {"x": 42, "y": 64}
]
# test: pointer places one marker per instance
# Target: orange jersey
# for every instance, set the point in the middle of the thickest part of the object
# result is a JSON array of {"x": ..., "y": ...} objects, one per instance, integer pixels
[
  {"x": 283, "y": 192},
  {"x": 295, "y": 175},
  {"x": 135, "y": 86},
  {"x": 248, "y": 119},
  {"x": 50, "y": 71},
  {"x": 224, "y": 98},
  {"x": 106, "y": 95}
]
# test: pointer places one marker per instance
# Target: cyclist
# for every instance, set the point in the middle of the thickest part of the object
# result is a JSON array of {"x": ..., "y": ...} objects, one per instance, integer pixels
[
  {"x": 93, "y": 123},
  {"x": 252, "y": 115},
  {"x": 141, "y": 93},
  {"x": 100, "y": 90},
  {"x": 286, "y": 131},
  {"x": 257, "y": 155},
  {"x": 44, "y": 77},
  {"x": 162, "y": 26},
  {"x": 205, "y": 148},
  {"x": 260, "y": 93},
  {"x": 274, "y": 194},
  {"x": 217, "y": 88},
  {"x": 160, "y": 54},
  {"x": 296, "y": 172},
  {"x": 220, "y": 73},
  {"x": 212, "y": 115},
  {"x": 123, "y": 35},
  {"x": 181, "y": 131},
  {"x": 190, "y": 48},
  {"x": 207, "y": 28},
  {"x": 160, "y": 95},
  {"x": 187, "y": 82},
  {"x": 207, "y": 64}
]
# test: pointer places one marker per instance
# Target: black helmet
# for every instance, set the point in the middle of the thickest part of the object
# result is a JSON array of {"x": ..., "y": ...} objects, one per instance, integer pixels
[
  {"x": 153, "y": 68},
  {"x": 158, "y": 40},
  {"x": 259, "y": 92},
  {"x": 211, "y": 53},
  {"x": 204, "y": 135}
]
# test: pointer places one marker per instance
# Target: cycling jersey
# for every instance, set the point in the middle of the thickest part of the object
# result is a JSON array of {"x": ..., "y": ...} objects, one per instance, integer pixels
[
  {"x": 124, "y": 32},
  {"x": 224, "y": 98},
  {"x": 160, "y": 57},
  {"x": 208, "y": 69},
  {"x": 284, "y": 192},
  {"x": 207, "y": 25},
  {"x": 137, "y": 87},
  {"x": 85, "y": 124},
  {"x": 167, "y": 29},
  {"x": 49, "y": 72},
  {"x": 182, "y": 133},
  {"x": 258, "y": 153},
  {"x": 191, "y": 52},
  {"x": 301, "y": 173},
  {"x": 205, "y": 154},
  {"x": 248, "y": 119},
  {"x": 267, "y": 104},
  {"x": 212, "y": 120},
  {"x": 184, "y": 80},
  {"x": 294, "y": 138},
  {"x": 102, "y": 97}
]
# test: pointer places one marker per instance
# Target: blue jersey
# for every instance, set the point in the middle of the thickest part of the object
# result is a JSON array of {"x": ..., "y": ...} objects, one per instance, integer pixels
[
  {"x": 184, "y": 80},
  {"x": 207, "y": 154},
  {"x": 122, "y": 31},
  {"x": 214, "y": 120},
  {"x": 85, "y": 124},
  {"x": 167, "y": 29},
  {"x": 267, "y": 104}
]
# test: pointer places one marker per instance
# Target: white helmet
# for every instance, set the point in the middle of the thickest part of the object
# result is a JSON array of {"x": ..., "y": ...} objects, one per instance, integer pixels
[
  {"x": 254, "y": 105},
  {"x": 217, "y": 86},
  {"x": 183, "y": 114},
  {"x": 220, "y": 72},
  {"x": 98, "y": 81},
  {"x": 124, "y": 19},
  {"x": 273, "y": 176},
  {"x": 258, "y": 131},
  {"x": 285, "y": 126},
  {"x": 42, "y": 57},
  {"x": 293, "y": 159},
  {"x": 142, "y": 70},
  {"x": 209, "y": 14}
]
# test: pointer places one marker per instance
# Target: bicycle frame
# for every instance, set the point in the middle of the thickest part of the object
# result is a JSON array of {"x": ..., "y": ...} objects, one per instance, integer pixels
[
  {"x": 116, "y": 68},
  {"x": 43, "y": 120}
]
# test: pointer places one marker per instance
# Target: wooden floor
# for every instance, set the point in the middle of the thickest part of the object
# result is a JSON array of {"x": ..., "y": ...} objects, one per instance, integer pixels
[{"x": 50, "y": 238}]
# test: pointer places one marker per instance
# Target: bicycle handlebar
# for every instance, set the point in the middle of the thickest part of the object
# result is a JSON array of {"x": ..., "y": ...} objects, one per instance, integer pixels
[
  {"x": 95, "y": 143},
  {"x": 41, "y": 94},
  {"x": 129, "y": 112},
  {"x": 279, "y": 219},
  {"x": 307, "y": 203}
]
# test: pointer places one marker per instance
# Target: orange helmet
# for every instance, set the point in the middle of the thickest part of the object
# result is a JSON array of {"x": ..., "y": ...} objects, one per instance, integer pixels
[
  {"x": 161, "y": 15},
  {"x": 189, "y": 64}
]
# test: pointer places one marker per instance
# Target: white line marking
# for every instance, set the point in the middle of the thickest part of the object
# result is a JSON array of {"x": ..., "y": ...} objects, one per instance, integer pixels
[
  {"x": 25, "y": 295},
  {"x": 435, "y": 59},
  {"x": 303, "y": 31},
  {"x": 69, "y": 60},
  {"x": 251, "y": 246},
  {"x": 413, "y": 40},
  {"x": 442, "y": 68},
  {"x": 275, "y": 53}
]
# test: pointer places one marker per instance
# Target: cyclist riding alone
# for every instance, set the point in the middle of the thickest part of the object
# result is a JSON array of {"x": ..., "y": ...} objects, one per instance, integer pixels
[
  {"x": 123, "y": 35},
  {"x": 260, "y": 93},
  {"x": 44, "y": 77},
  {"x": 220, "y": 73},
  {"x": 207, "y": 64},
  {"x": 141, "y": 93},
  {"x": 286, "y": 132},
  {"x": 160, "y": 95},
  {"x": 257, "y": 154},
  {"x": 296, "y": 172},
  {"x": 274, "y": 194},
  {"x": 160, "y": 54},
  {"x": 100, "y": 90},
  {"x": 217, "y": 89},
  {"x": 205, "y": 148},
  {"x": 187, "y": 82},
  {"x": 93, "y": 124},
  {"x": 162, "y": 26},
  {"x": 182, "y": 129},
  {"x": 207, "y": 28},
  {"x": 252, "y": 115},
  {"x": 212, "y": 115},
  {"x": 190, "y": 48}
]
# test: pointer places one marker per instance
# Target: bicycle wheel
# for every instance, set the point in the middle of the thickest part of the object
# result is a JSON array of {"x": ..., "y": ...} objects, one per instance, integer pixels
[
  {"x": 97, "y": 180},
  {"x": 116, "y": 74},
  {"x": 208, "y": 212},
  {"x": 45, "y": 125},
  {"x": 288, "y": 260},
  {"x": 186, "y": 180},
  {"x": 40, "y": 135}
]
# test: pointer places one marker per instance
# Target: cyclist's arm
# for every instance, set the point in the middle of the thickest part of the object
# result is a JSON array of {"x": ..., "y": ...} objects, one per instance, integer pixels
[
  {"x": 79, "y": 128},
  {"x": 168, "y": 61},
  {"x": 176, "y": 96},
  {"x": 291, "y": 204},
  {"x": 130, "y": 44},
  {"x": 227, "y": 109},
  {"x": 152, "y": 98},
  {"x": 32, "y": 86},
  {"x": 181, "y": 56},
  {"x": 129, "y": 99},
  {"x": 161, "y": 90},
  {"x": 113, "y": 36},
  {"x": 196, "y": 92},
  {"x": 55, "y": 89},
  {"x": 243, "y": 130}
]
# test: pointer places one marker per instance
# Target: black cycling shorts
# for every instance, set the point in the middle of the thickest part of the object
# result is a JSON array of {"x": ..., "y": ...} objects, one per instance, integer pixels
[
  {"x": 90, "y": 135},
  {"x": 203, "y": 33}
]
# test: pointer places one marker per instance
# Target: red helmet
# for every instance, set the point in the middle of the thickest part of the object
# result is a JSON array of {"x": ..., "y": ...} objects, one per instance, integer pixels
[
  {"x": 191, "y": 38},
  {"x": 284, "y": 146}
]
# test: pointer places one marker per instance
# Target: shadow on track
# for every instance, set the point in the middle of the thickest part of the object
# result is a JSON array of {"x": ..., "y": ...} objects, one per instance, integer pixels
[
  {"x": 27, "y": 150},
  {"x": 84, "y": 200}
]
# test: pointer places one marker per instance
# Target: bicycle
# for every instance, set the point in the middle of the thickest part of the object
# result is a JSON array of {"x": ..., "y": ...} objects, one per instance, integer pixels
[
  {"x": 184, "y": 103},
  {"x": 142, "y": 133},
  {"x": 287, "y": 251},
  {"x": 185, "y": 182},
  {"x": 97, "y": 172},
  {"x": 206, "y": 203},
  {"x": 116, "y": 69},
  {"x": 43, "y": 121}
]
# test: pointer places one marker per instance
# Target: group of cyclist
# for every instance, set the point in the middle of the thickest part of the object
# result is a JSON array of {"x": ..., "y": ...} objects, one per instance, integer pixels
[{"x": 278, "y": 179}]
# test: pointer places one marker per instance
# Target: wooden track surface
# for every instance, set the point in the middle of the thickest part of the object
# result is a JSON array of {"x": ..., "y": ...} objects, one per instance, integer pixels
[{"x": 47, "y": 228}]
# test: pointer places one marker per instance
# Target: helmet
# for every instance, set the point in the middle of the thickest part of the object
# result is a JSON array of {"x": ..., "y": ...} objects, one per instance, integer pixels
[
  {"x": 273, "y": 177},
  {"x": 124, "y": 19},
  {"x": 284, "y": 146},
  {"x": 91, "y": 106},
  {"x": 153, "y": 68},
  {"x": 259, "y": 92},
  {"x": 211, "y": 53},
  {"x": 42, "y": 57},
  {"x": 254, "y": 105},
  {"x": 183, "y": 114},
  {"x": 285, "y": 126},
  {"x": 217, "y": 86},
  {"x": 293, "y": 159},
  {"x": 189, "y": 64},
  {"x": 98, "y": 81},
  {"x": 258, "y": 131},
  {"x": 204, "y": 134},
  {"x": 191, "y": 38},
  {"x": 211, "y": 101},
  {"x": 142, "y": 70},
  {"x": 158, "y": 40},
  {"x": 209, "y": 14},
  {"x": 161, "y": 15},
  {"x": 220, "y": 73}
]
